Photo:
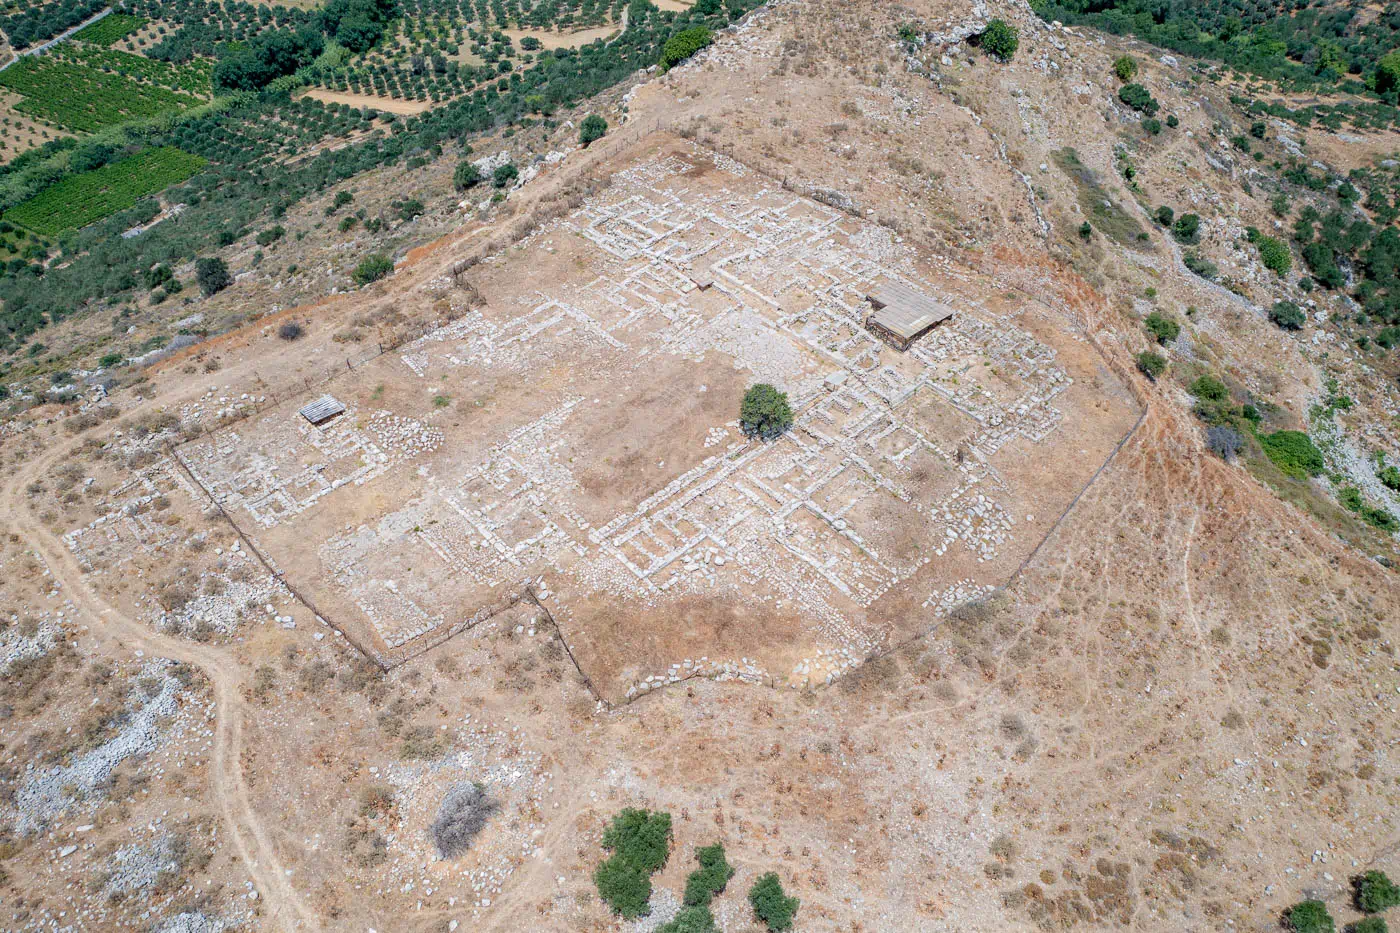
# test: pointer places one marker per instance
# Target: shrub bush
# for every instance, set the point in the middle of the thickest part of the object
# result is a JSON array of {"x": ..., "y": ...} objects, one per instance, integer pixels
[
  {"x": 372, "y": 268},
  {"x": 1200, "y": 265},
  {"x": 504, "y": 175},
  {"x": 212, "y": 275},
  {"x": 1151, "y": 364},
  {"x": 1139, "y": 98},
  {"x": 640, "y": 842},
  {"x": 1165, "y": 215},
  {"x": 1162, "y": 327},
  {"x": 592, "y": 128},
  {"x": 1374, "y": 892},
  {"x": 1368, "y": 925},
  {"x": 1287, "y": 315},
  {"x": 765, "y": 412},
  {"x": 1187, "y": 228},
  {"x": 691, "y": 920},
  {"x": 465, "y": 175},
  {"x": 684, "y": 44},
  {"x": 1125, "y": 67},
  {"x": 710, "y": 878},
  {"x": 463, "y": 813},
  {"x": 1293, "y": 452},
  {"x": 1208, "y": 388},
  {"x": 290, "y": 331},
  {"x": 770, "y": 903},
  {"x": 1275, "y": 255},
  {"x": 624, "y": 888},
  {"x": 1309, "y": 917},
  {"x": 1001, "y": 40},
  {"x": 1085, "y": 231}
]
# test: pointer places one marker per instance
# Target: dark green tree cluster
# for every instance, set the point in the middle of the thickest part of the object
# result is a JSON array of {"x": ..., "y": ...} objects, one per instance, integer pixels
[
  {"x": 1374, "y": 892},
  {"x": 1300, "y": 44},
  {"x": 212, "y": 275},
  {"x": 356, "y": 24},
  {"x": 1309, "y": 917},
  {"x": 254, "y": 64},
  {"x": 1151, "y": 365}
]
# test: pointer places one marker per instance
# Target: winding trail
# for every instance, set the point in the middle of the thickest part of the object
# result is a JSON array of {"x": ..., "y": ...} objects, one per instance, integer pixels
[{"x": 283, "y": 907}]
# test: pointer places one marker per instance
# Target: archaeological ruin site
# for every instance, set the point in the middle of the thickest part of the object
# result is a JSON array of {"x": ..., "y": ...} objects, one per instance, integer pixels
[{"x": 609, "y": 479}]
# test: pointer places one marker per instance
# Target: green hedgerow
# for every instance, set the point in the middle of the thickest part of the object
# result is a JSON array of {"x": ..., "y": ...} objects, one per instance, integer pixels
[
  {"x": 1375, "y": 892},
  {"x": 1293, "y": 452},
  {"x": 770, "y": 903}
]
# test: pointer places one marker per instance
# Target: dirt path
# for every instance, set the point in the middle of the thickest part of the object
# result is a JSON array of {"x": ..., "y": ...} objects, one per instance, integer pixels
[{"x": 283, "y": 908}]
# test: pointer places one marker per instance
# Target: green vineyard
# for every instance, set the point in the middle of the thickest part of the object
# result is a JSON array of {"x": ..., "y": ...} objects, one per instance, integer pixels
[
  {"x": 81, "y": 199},
  {"x": 83, "y": 98},
  {"x": 110, "y": 29},
  {"x": 191, "y": 77}
]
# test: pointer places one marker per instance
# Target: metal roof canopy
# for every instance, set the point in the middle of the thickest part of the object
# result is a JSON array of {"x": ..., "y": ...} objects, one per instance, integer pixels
[
  {"x": 905, "y": 312},
  {"x": 322, "y": 410}
]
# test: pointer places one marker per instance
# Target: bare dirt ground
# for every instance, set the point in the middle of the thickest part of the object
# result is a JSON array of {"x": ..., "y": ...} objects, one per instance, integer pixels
[
  {"x": 1176, "y": 715},
  {"x": 387, "y": 104}
]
